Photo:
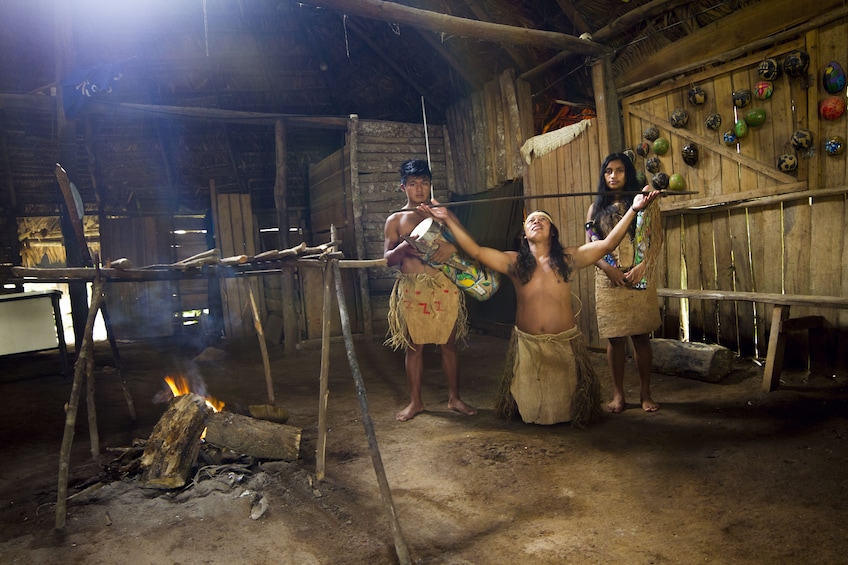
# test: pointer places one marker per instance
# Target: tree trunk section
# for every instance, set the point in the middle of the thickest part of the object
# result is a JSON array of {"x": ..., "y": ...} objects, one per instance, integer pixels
[
  {"x": 701, "y": 361},
  {"x": 174, "y": 444},
  {"x": 249, "y": 436}
]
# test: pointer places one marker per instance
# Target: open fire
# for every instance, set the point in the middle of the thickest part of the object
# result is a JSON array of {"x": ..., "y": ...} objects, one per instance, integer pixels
[{"x": 179, "y": 386}]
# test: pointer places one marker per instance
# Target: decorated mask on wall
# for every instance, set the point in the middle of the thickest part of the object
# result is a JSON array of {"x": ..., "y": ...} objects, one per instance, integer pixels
[
  {"x": 653, "y": 164},
  {"x": 787, "y": 163},
  {"x": 763, "y": 90},
  {"x": 660, "y": 181},
  {"x": 833, "y": 78},
  {"x": 679, "y": 118},
  {"x": 768, "y": 69},
  {"x": 713, "y": 122},
  {"x": 690, "y": 154},
  {"x": 643, "y": 149},
  {"x": 832, "y": 107},
  {"x": 729, "y": 137},
  {"x": 697, "y": 96},
  {"x": 835, "y": 146},
  {"x": 802, "y": 139},
  {"x": 741, "y": 98},
  {"x": 651, "y": 133},
  {"x": 796, "y": 63}
]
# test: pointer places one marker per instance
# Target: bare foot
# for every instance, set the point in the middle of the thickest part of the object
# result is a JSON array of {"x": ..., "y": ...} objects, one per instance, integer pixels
[
  {"x": 648, "y": 405},
  {"x": 409, "y": 412},
  {"x": 616, "y": 406},
  {"x": 461, "y": 407}
]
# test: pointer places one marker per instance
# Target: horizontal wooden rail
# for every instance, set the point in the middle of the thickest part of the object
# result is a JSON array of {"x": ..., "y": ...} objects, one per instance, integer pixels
[
  {"x": 840, "y": 302},
  {"x": 781, "y": 324}
]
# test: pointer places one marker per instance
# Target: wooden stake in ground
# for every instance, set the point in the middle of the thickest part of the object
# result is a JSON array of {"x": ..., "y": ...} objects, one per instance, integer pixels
[
  {"x": 323, "y": 388},
  {"x": 385, "y": 491},
  {"x": 86, "y": 349},
  {"x": 260, "y": 333},
  {"x": 173, "y": 446}
]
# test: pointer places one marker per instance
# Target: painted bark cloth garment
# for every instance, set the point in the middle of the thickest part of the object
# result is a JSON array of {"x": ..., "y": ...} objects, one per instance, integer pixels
[
  {"x": 425, "y": 308},
  {"x": 549, "y": 379}
]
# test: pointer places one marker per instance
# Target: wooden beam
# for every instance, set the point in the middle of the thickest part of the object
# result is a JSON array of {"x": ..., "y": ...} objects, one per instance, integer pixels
[
  {"x": 425, "y": 19},
  {"x": 758, "y": 21},
  {"x": 634, "y": 17}
]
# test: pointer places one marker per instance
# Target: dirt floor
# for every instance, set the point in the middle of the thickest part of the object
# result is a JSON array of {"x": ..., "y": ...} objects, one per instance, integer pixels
[{"x": 722, "y": 474}]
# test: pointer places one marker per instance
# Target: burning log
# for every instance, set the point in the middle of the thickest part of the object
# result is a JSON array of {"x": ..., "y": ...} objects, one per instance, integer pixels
[
  {"x": 174, "y": 444},
  {"x": 259, "y": 438}
]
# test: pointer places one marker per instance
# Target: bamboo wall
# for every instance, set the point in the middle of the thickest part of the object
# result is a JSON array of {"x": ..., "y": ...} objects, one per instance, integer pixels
[{"x": 750, "y": 227}]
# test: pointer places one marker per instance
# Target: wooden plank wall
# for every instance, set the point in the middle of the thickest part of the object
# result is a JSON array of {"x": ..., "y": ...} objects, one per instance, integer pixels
[
  {"x": 382, "y": 147},
  {"x": 235, "y": 234},
  {"x": 486, "y": 132},
  {"x": 330, "y": 204},
  {"x": 144, "y": 309},
  {"x": 794, "y": 246}
]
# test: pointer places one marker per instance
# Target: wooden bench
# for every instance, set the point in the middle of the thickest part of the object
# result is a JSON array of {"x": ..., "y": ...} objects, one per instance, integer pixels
[{"x": 781, "y": 323}]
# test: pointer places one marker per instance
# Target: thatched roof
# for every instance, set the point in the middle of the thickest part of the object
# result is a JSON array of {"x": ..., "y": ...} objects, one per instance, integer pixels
[{"x": 313, "y": 58}]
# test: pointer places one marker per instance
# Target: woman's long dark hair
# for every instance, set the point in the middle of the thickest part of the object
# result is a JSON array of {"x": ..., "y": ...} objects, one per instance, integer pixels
[
  {"x": 606, "y": 197},
  {"x": 559, "y": 259}
]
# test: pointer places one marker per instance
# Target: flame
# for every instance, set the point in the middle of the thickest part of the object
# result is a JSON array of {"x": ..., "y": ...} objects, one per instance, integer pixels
[{"x": 179, "y": 386}]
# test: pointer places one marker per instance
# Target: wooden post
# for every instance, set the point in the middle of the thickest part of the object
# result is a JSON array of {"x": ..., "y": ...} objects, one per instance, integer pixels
[
  {"x": 73, "y": 404},
  {"x": 358, "y": 228},
  {"x": 263, "y": 347},
  {"x": 290, "y": 326},
  {"x": 323, "y": 392},
  {"x": 385, "y": 491},
  {"x": 610, "y": 130},
  {"x": 776, "y": 346}
]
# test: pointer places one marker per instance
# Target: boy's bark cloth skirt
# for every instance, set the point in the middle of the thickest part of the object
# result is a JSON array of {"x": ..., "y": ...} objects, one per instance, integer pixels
[
  {"x": 623, "y": 311},
  {"x": 425, "y": 308},
  {"x": 549, "y": 379}
]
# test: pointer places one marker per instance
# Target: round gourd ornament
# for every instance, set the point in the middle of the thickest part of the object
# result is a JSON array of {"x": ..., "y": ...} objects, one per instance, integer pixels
[
  {"x": 755, "y": 117},
  {"x": 787, "y": 163},
  {"x": 660, "y": 146},
  {"x": 740, "y": 128},
  {"x": 651, "y": 133},
  {"x": 643, "y": 149},
  {"x": 660, "y": 181},
  {"x": 768, "y": 69},
  {"x": 679, "y": 118},
  {"x": 729, "y": 137},
  {"x": 641, "y": 178},
  {"x": 833, "y": 78},
  {"x": 713, "y": 122},
  {"x": 763, "y": 90},
  {"x": 630, "y": 155},
  {"x": 741, "y": 98},
  {"x": 834, "y": 145},
  {"x": 795, "y": 63},
  {"x": 697, "y": 96},
  {"x": 802, "y": 139},
  {"x": 653, "y": 165},
  {"x": 690, "y": 154},
  {"x": 676, "y": 182},
  {"x": 832, "y": 107}
]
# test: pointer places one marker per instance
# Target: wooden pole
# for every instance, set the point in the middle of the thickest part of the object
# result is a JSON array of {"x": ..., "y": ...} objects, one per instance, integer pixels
[
  {"x": 290, "y": 326},
  {"x": 73, "y": 404},
  {"x": 323, "y": 392},
  {"x": 260, "y": 333},
  {"x": 93, "y": 433},
  {"x": 400, "y": 544}
]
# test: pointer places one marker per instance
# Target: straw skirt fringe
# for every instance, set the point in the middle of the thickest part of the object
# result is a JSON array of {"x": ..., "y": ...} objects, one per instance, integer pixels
[{"x": 549, "y": 379}]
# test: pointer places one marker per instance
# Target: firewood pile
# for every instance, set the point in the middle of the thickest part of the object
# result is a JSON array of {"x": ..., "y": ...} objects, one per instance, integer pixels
[{"x": 191, "y": 442}]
